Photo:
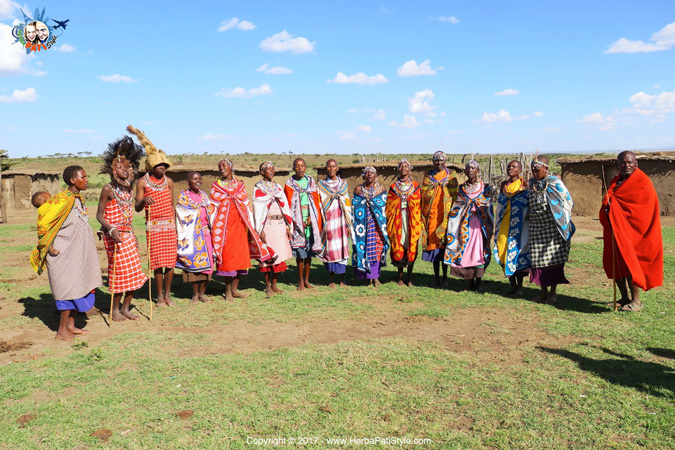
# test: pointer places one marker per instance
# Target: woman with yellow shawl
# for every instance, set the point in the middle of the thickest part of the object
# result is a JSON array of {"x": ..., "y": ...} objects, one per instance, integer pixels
[
  {"x": 439, "y": 189},
  {"x": 511, "y": 249},
  {"x": 404, "y": 224}
]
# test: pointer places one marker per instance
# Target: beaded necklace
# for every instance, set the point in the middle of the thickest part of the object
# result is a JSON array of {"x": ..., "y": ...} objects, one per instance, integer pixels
[
  {"x": 540, "y": 185},
  {"x": 403, "y": 187},
  {"x": 434, "y": 172},
  {"x": 155, "y": 186},
  {"x": 228, "y": 184},
  {"x": 268, "y": 187},
  {"x": 297, "y": 187},
  {"x": 471, "y": 188},
  {"x": 194, "y": 205},
  {"x": 371, "y": 192},
  {"x": 124, "y": 200}
]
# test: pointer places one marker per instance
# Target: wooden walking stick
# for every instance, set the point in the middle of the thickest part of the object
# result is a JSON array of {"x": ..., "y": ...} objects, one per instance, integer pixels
[
  {"x": 604, "y": 184},
  {"x": 147, "y": 215},
  {"x": 112, "y": 284}
]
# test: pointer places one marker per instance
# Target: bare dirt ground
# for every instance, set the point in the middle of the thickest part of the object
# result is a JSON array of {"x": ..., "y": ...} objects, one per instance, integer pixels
[{"x": 495, "y": 335}]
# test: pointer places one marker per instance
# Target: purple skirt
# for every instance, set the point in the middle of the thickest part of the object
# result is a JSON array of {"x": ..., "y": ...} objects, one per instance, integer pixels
[
  {"x": 548, "y": 276},
  {"x": 232, "y": 273},
  {"x": 83, "y": 304},
  {"x": 433, "y": 255},
  {"x": 372, "y": 274},
  {"x": 336, "y": 268}
]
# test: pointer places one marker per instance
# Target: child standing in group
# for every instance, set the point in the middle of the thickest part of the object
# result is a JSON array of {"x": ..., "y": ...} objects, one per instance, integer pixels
[
  {"x": 195, "y": 248},
  {"x": 304, "y": 201},
  {"x": 273, "y": 223},
  {"x": 154, "y": 192},
  {"x": 115, "y": 213},
  {"x": 67, "y": 247}
]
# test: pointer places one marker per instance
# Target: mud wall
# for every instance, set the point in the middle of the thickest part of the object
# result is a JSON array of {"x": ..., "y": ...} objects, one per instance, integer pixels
[
  {"x": 19, "y": 187},
  {"x": 584, "y": 180}
]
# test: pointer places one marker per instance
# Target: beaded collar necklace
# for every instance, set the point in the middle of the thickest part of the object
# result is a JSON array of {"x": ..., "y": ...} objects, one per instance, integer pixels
[
  {"x": 403, "y": 187},
  {"x": 297, "y": 187},
  {"x": 371, "y": 192},
  {"x": 435, "y": 171},
  {"x": 268, "y": 187},
  {"x": 124, "y": 199},
  {"x": 155, "y": 186},
  {"x": 471, "y": 188}
]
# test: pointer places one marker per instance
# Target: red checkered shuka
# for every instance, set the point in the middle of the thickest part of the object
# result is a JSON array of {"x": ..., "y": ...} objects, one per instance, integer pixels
[
  {"x": 124, "y": 266},
  {"x": 160, "y": 223}
]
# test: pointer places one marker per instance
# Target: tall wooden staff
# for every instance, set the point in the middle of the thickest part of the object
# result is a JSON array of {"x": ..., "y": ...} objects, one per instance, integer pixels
[
  {"x": 604, "y": 183},
  {"x": 112, "y": 284},
  {"x": 148, "y": 233}
]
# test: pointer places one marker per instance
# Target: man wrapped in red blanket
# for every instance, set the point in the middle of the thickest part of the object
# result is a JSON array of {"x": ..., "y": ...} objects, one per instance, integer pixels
[{"x": 633, "y": 246}]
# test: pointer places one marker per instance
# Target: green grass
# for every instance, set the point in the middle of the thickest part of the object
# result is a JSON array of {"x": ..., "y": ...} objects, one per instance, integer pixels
[{"x": 593, "y": 379}]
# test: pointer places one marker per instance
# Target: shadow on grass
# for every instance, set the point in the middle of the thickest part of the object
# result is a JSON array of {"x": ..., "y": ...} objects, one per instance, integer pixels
[
  {"x": 624, "y": 370},
  {"x": 44, "y": 308},
  {"x": 662, "y": 352}
]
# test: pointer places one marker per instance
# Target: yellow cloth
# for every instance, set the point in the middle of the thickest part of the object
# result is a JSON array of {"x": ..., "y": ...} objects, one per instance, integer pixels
[
  {"x": 502, "y": 239},
  {"x": 51, "y": 216}
]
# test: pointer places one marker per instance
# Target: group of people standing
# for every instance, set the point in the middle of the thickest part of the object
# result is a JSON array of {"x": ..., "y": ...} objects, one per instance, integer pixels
[{"x": 221, "y": 232}]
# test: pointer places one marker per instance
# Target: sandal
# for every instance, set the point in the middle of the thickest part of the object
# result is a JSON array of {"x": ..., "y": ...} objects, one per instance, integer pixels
[{"x": 632, "y": 307}]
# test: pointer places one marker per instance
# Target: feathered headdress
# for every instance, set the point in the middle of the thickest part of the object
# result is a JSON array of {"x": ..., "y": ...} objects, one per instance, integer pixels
[
  {"x": 154, "y": 157},
  {"x": 124, "y": 149}
]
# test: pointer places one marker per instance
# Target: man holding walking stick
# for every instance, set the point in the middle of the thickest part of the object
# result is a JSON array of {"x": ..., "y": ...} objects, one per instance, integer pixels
[{"x": 633, "y": 245}]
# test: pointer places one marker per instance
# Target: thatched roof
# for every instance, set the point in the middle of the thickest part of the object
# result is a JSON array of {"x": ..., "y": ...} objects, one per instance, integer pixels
[
  {"x": 394, "y": 164},
  {"x": 30, "y": 172},
  {"x": 655, "y": 156},
  {"x": 214, "y": 168}
]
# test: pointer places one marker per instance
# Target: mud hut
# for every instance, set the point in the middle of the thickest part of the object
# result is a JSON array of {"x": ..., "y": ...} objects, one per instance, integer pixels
[
  {"x": 19, "y": 185},
  {"x": 387, "y": 172},
  {"x": 249, "y": 175},
  {"x": 587, "y": 178}
]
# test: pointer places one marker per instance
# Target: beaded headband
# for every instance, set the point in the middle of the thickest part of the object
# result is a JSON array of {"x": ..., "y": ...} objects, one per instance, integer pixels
[
  {"x": 438, "y": 156},
  {"x": 472, "y": 163},
  {"x": 369, "y": 169},
  {"x": 265, "y": 165}
]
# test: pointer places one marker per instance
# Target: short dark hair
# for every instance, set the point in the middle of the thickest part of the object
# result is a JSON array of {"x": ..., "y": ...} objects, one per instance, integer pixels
[
  {"x": 298, "y": 159},
  {"x": 189, "y": 175},
  {"x": 70, "y": 172}
]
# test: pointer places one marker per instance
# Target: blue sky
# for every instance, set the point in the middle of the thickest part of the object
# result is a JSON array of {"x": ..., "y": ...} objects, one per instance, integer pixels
[{"x": 343, "y": 77}]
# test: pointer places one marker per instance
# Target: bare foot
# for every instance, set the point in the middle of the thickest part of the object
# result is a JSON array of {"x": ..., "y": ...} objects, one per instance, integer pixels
[
  {"x": 479, "y": 288},
  {"x": 161, "y": 303},
  {"x": 518, "y": 293},
  {"x": 620, "y": 303},
  {"x": 342, "y": 284},
  {"x": 301, "y": 287},
  {"x": 277, "y": 290},
  {"x": 331, "y": 285},
  {"x": 237, "y": 294},
  {"x": 377, "y": 282},
  {"x": 551, "y": 299},
  {"x": 228, "y": 297},
  {"x": 117, "y": 316},
  {"x": 539, "y": 298},
  {"x": 128, "y": 315},
  {"x": 632, "y": 306},
  {"x": 436, "y": 284},
  {"x": 269, "y": 291},
  {"x": 204, "y": 299},
  {"x": 410, "y": 284},
  {"x": 168, "y": 301},
  {"x": 195, "y": 298},
  {"x": 66, "y": 336},
  {"x": 308, "y": 286},
  {"x": 444, "y": 284},
  {"x": 400, "y": 283}
]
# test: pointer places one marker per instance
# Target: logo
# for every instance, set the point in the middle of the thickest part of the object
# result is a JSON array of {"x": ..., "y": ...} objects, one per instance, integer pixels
[{"x": 38, "y": 32}]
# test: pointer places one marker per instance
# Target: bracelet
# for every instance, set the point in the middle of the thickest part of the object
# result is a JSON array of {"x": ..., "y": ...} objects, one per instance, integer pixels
[{"x": 109, "y": 232}]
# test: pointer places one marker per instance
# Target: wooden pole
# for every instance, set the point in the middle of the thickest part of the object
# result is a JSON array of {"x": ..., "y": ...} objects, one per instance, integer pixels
[
  {"x": 604, "y": 185},
  {"x": 112, "y": 283},
  {"x": 147, "y": 216}
]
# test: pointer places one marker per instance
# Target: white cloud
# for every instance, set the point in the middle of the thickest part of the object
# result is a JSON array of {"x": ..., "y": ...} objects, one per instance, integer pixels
[
  {"x": 235, "y": 23},
  {"x": 379, "y": 115},
  {"x": 550, "y": 130},
  {"x": 347, "y": 135},
  {"x": 80, "y": 131},
  {"x": 408, "y": 122},
  {"x": 529, "y": 116},
  {"x": 662, "y": 103},
  {"x": 451, "y": 19},
  {"x": 117, "y": 78},
  {"x": 502, "y": 116},
  {"x": 657, "y": 86},
  {"x": 364, "y": 128},
  {"x": 215, "y": 137},
  {"x": 411, "y": 69},
  {"x": 285, "y": 42},
  {"x": 508, "y": 92},
  {"x": 606, "y": 123},
  {"x": 538, "y": 114},
  {"x": 27, "y": 95},
  {"x": 240, "y": 92},
  {"x": 7, "y": 8},
  {"x": 661, "y": 40},
  {"x": 65, "y": 48},
  {"x": 358, "y": 78},
  {"x": 11, "y": 127},
  {"x": 419, "y": 104},
  {"x": 277, "y": 70}
]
